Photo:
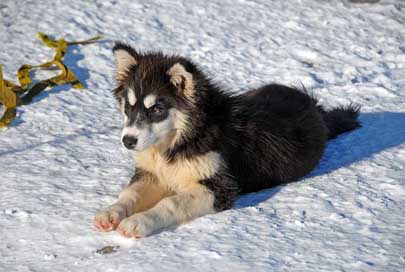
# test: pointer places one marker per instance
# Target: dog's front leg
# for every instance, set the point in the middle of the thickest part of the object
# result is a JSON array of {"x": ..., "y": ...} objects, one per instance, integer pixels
[
  {"x": 170, "y": 211},
  {"x": 142, "y": 193}
]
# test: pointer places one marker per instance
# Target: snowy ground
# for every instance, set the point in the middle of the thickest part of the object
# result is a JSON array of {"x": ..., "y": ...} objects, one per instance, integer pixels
[{"x": 61, "y": 160}]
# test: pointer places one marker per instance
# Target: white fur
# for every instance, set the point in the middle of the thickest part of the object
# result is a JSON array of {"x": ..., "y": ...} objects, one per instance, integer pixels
[
  {"x": 122, "y": 108},
  {"x": 124, "y": 206},
  {"x": 152, "y": 134},
  {"x": 132, "y": 131},
  {"x": 138, "y": 196},
  {"x": 116, "y": 212},
  {"x": 149, "y": 100},
  {"x": 131, "y": 97}
]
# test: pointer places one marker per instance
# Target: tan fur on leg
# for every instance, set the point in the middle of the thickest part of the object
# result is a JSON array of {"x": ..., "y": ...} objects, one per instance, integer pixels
[
  {"x": 138, "y": 196},
  {"x": 169, "y": 211}
]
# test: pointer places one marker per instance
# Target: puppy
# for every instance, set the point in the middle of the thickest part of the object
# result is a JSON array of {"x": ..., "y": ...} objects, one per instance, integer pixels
[{"x": 196, "y": 146}]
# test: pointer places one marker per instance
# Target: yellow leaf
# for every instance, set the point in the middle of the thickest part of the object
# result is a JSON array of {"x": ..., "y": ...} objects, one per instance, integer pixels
[
  {"x": 9, "y": 90},
  {"x": 23, "y": 75},
  {"x": 9, "y": 100},
  {"x": 46, "y": 40}
]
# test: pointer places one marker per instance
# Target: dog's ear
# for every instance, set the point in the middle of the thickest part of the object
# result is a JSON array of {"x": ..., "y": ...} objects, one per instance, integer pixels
[
  {"x": 125, "y": 56},
  {"x": 182, "y": 80}
]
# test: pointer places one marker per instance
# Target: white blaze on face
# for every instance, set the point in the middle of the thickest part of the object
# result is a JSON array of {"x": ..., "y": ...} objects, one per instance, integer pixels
[
  {"x": 122, "y": 108},
  {"x": 127, "y": 130},
  {"x": 130, "y": 131},
  {"x": 131, "y": 97},
  {"x": 149, "y": 100}
]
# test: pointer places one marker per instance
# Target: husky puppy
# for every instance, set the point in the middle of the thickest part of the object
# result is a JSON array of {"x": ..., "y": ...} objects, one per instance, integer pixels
[{"x": 196, "y": 146}]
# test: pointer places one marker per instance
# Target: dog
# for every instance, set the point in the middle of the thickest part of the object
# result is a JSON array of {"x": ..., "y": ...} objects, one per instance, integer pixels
[{"x": 196, "y": 146}]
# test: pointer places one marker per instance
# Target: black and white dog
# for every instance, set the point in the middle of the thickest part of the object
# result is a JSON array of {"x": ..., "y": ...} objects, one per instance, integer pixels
[{"x": 196, "y": 146}]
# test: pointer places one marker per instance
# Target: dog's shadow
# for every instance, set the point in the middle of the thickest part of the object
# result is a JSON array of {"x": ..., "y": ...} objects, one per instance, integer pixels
[{"x": 379, "y": 131}]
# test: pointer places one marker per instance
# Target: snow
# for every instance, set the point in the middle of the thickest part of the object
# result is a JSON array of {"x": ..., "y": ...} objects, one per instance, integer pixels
[{"x": 61, "y": 160}]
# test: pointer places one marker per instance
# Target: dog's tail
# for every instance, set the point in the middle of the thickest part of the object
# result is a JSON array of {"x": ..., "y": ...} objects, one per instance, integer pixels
[{"x": 341, "y": 119}]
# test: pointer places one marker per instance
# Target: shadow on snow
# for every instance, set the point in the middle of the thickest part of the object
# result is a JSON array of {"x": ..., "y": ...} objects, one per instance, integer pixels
[{"x": 379, "y": 131}]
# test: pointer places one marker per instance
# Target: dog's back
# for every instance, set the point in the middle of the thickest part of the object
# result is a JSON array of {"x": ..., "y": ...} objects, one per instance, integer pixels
[{"x": 279, "y": 136}]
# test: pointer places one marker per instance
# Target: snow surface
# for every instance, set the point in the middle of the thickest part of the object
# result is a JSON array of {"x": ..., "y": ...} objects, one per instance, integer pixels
[{"x": 61, "y": 160}]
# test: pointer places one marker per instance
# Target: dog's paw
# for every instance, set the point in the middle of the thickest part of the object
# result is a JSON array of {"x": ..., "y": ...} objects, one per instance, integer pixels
[
  {"x": 135, "y": 226},
  {"x": 110, "y": 218}
]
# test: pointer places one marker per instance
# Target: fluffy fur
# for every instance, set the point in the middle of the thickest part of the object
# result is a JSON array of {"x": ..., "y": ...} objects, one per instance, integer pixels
[{"x": 196, "y": 146}]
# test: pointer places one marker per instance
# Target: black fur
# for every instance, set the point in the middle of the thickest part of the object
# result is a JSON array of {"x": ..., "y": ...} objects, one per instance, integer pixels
[
  {"x": 139, "y": 173},
  {"x": 341, "y": 119},
  {"x": 268, "y": 136},
  {"x": 224, "y": 188}
]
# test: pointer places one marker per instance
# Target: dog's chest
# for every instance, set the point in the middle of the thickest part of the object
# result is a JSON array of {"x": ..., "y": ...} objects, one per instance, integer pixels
[{"x": 181, "y": 173}]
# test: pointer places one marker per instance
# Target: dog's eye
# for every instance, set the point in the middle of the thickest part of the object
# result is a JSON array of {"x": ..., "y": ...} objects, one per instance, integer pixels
[{"x": 156, "y": 109}]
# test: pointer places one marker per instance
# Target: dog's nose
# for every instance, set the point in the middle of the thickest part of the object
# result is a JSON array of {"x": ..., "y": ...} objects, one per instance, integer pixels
[{"x": 129, "y": 142}]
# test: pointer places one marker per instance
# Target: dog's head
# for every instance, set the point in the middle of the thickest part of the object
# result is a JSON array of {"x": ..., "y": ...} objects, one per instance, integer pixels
[{"x": 154, "y": 92}]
